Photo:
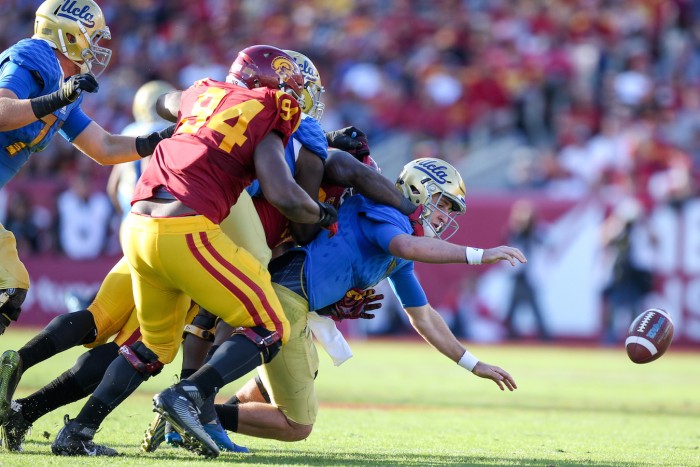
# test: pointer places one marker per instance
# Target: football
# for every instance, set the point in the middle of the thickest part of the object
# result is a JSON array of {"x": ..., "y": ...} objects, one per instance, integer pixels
[{"x": 649, "y": 336}]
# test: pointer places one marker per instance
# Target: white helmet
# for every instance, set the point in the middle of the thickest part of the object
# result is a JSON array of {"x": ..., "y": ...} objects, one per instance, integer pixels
[
  {"x": 144, "y": 106},
  {"x": 313, "y": 88},
  {"x": 421, "y": 179},
  {"x": 75, "y": 27}
]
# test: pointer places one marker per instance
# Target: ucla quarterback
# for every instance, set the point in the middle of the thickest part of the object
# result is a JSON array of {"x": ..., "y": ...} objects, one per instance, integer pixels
[{"x": 42, "y": 80}]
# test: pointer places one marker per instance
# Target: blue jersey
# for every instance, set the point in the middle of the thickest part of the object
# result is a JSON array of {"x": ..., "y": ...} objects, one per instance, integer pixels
[
  {"x": 309, "y": 135},
  {"x": 30, "y": 69},
  {"x": 358, "y": 255}
]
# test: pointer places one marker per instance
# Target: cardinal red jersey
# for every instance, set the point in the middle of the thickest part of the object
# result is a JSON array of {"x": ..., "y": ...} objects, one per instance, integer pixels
[
  {"x": 274, "y": 223},
  {"x": 209, "y": 159}
]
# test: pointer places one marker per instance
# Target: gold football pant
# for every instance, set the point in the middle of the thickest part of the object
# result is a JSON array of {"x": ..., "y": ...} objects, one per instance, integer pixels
[
  {"x": 289, "y": 377},
  {"x": 13, "y": 274},
  {"x": 243, "y": 226},
  {"x": 114, "y": 311},
  {"x": 113, "y": 308},
  {"x": 173, "y": 260}
]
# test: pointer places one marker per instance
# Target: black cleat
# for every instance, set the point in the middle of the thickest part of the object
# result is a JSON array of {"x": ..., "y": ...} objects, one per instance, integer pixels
[
  {"x": 14, "y": 429},
  {"x": 10, "y": 373},
  {"x": 178, "y": 408},
  {"x": 75, "y": 439}
]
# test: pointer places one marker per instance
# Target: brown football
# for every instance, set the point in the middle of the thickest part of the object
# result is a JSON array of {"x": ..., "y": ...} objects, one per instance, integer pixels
[{"x": 649, "y": 336}]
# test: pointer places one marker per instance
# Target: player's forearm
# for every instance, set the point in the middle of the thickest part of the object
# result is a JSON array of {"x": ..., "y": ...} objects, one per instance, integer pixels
[
  {"x": 15, "y": 113},
  {"x": 344, "y": 170},
  {"x": 297, "y": 206},
  {"x": 378, "y": 188},
  {"x": 105, "y": 148},
  {"x": 430, "y": 325},
  {"x": 426, "y": 250}
]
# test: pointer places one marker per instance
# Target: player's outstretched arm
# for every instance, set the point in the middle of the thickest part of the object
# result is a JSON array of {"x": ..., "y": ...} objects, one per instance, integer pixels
[
  {"x": 107, "y": 149},
  {"x": 498, "y": 375},
  {"x": 430, "y": 325},
  {"x": 436, "y": 251}
]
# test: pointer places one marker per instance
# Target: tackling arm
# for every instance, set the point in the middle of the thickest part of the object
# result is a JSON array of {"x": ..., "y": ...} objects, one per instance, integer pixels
[
  {"x": 345, "y": 170},
  {"x": 309, "y": 169},
  {"x": 280, "y": 188}
]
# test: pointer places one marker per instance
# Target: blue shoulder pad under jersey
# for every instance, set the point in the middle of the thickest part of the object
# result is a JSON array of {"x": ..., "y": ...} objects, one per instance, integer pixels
[
  {"x": 309, "y": 135},
  {"x": 36, "y": 56},
  {"x": 32, "y": 67},
  {"x": 357, "y": 256}
]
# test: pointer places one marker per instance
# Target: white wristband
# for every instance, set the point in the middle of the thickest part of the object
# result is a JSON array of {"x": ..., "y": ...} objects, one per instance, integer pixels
[
  {"x": 468, "y": 361},
  {"x": 474, "y": 255}
]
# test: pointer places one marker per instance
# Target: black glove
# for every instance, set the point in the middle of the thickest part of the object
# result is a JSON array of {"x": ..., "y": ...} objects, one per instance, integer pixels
[
  {"x": 146, "y": 144},
  {"x": 351, "y": 140},
  {"x": 69, "y": 91},
  {"x": 329, "y": 215}
]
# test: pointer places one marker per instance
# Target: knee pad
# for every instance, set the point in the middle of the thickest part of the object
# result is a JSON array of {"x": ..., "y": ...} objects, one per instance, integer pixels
[
  {"x": 71, "y": 329},
  {"x": 10, "y": 306},
  {"x": 143, "y": 359},
  {"x": 203, "y": 326},
  {"x": 269, "y": 342}
]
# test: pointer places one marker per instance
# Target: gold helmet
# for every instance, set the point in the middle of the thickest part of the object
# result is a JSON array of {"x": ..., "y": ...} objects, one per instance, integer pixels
[
  {"x": 313, "y": 88},
  {"x": 421, "y": 179},
  {"x": 75, "y": 27},
  {"x": 145, "y": 100}
]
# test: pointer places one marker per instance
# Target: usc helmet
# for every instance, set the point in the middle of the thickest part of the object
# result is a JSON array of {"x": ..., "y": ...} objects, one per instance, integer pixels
[
  {"x": 269, "y": 67},
  {"x": 313, "y": 88},
  {"x": 75, "y": 27},
  {"x": 144, "y": 106},
  {"x": 421, "y": 179}
]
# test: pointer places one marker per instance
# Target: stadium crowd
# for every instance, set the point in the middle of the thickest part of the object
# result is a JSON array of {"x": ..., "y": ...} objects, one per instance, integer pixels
[{"x": 598, "y": 92}]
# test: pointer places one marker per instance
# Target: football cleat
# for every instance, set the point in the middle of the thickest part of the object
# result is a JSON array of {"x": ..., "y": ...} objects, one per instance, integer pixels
[
  {"x": 14, "y": 429},
  {"x": 178, "y": 408},
  {"x": 218, "y": 434},
  {"x": 75, "y": 439},
  {"x": 155, "y": 434},
  {"x": 172, "y": 437},
  {"x": 10, "y": 373}
]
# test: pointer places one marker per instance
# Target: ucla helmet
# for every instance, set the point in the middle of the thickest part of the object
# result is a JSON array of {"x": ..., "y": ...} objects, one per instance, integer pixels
[
  {"x": 421, "y": 179},
  {"x": 144, "y": 106},
  {"x": 267, "y": 66},
  {"x": 313, "y": 88},
  {"x": 75, "y": 28}
]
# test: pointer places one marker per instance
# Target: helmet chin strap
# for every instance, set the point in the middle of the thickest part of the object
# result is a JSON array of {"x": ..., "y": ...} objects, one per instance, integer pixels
[{"x": 233, "y": 80}]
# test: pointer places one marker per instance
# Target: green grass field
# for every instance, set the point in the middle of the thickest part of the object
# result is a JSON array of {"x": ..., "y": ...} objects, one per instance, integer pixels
[{"x": 401, "y": 403}]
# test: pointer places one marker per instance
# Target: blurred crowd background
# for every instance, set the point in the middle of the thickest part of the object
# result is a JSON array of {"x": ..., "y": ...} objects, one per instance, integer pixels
[{"x": 561, "y": 99}]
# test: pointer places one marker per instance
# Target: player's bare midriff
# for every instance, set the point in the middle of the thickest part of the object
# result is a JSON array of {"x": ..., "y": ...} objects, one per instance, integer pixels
[{"x": 156, "y": 207}]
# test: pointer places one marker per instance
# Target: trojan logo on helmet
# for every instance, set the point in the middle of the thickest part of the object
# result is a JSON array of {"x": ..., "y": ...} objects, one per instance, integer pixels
[{"x": 267, "y": 66}]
